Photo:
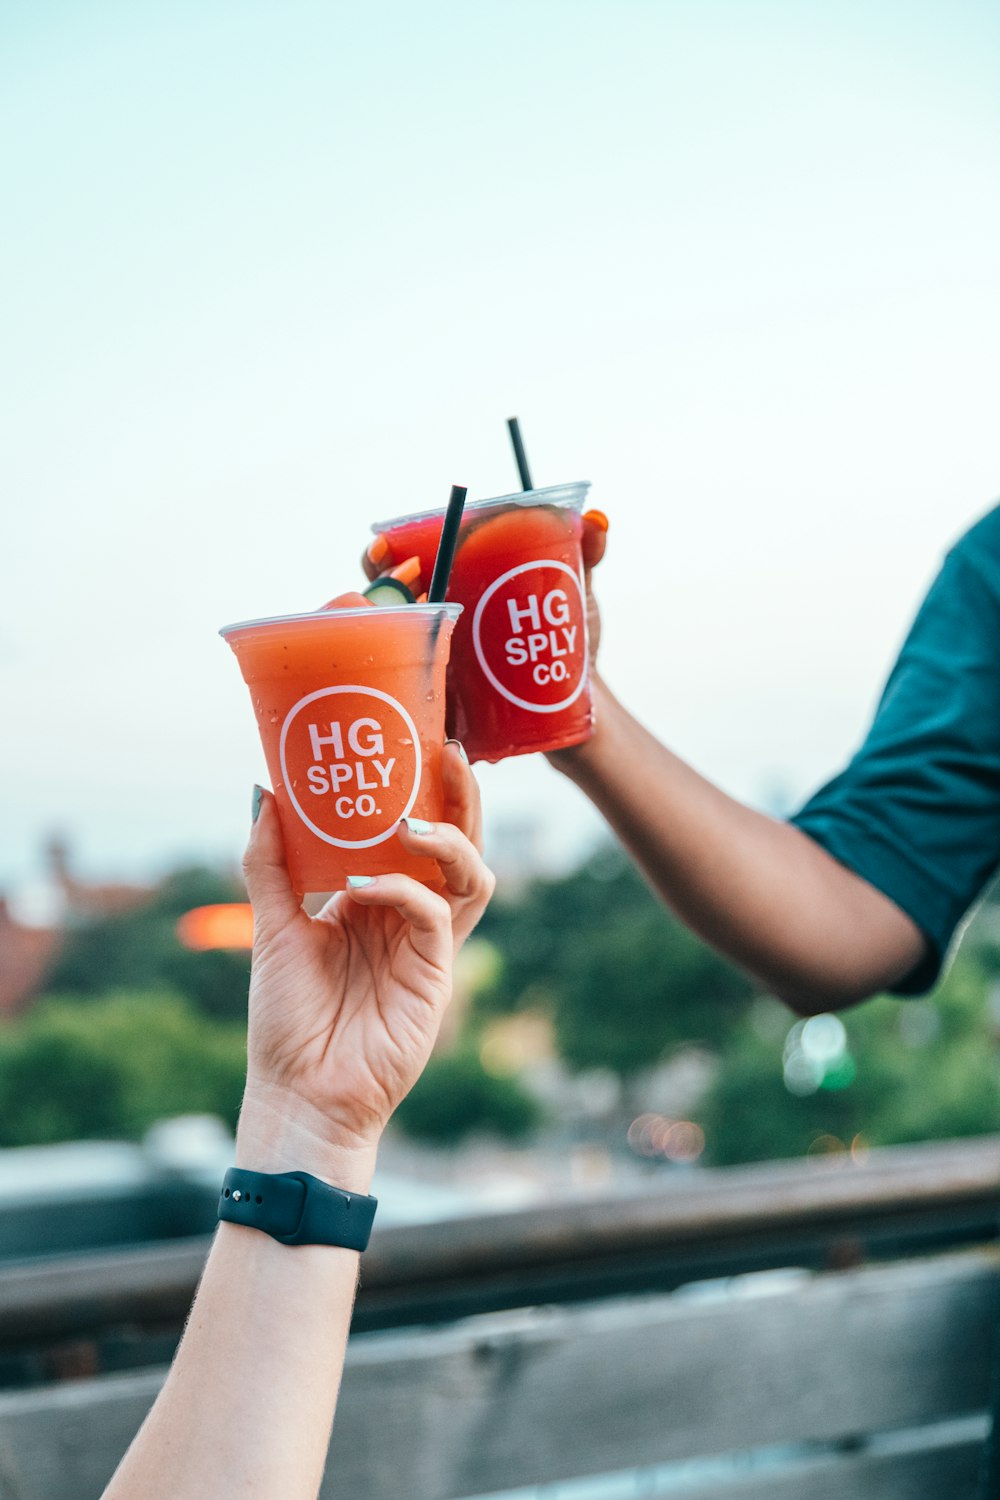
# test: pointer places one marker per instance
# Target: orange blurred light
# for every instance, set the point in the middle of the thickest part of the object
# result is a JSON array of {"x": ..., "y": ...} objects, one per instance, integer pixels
[{"x": 227, "y": 926}]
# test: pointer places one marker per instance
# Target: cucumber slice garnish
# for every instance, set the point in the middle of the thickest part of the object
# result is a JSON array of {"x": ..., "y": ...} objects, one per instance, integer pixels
[{"x": 389, "y": 591}]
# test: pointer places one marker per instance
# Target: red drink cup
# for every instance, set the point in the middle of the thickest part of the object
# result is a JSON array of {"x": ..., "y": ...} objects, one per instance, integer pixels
[
  {"x": 518, "y": 676},
  {"x": 350, "y": 709}
]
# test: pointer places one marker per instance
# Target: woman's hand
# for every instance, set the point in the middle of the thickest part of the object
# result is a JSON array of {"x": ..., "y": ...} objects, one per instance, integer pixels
[
  {"x": 345, "y": 1006},
  {"x": 344, "y": 1009}
]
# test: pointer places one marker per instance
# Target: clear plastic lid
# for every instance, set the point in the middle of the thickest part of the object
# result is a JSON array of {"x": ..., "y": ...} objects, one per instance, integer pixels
[
  {"x": 570, "y": 495},
  {"x": 357, "y": 612}
]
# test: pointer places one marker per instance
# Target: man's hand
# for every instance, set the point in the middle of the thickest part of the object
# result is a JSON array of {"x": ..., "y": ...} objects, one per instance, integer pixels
[
  {"x": 593, "y": 543},
  {"x": 377, "y": 559}
]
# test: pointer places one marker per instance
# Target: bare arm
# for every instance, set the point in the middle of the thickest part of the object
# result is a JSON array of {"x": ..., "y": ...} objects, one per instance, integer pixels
[
  {"x": 248, "y": 1404},
  {"x": 759, "y": 890},
  {"x": 344, "y": 1009}
]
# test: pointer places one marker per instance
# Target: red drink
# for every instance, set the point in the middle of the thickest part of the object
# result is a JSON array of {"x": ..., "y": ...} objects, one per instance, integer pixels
[
  {"x": 350, "y": 708},
  {"x": 518, "y": 674}
]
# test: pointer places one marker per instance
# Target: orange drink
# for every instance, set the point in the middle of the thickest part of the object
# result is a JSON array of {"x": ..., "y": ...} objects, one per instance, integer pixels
[{"x": 350, "y": 709}]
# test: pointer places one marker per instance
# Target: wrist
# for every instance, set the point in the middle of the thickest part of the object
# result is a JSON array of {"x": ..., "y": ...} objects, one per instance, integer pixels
[
  {"x": 280, "y": 1132},
  {"x": 576, "y": 760}
]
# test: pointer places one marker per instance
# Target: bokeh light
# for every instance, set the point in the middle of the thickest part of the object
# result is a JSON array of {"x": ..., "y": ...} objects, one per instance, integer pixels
[
  {"x": 229, "y": 925},
  {"x": 816, "y": 1056},
  {"x": 658, "y": 1136},
  {"x": 827, "y": 1145}
]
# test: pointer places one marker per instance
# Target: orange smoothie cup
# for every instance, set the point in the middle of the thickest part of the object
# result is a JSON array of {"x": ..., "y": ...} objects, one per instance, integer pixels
[
  {"x": 350, "y": 709},
  {"x": 518, "y": 679}
]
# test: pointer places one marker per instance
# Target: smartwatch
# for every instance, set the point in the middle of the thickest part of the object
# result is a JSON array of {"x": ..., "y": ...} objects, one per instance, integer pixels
[{"x": 296, "y": 1208}]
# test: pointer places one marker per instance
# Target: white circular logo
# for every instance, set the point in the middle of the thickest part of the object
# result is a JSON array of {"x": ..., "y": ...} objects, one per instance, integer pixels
[
  {"x": 351, "y": 755},
  {"x": 534, "y": 633}
]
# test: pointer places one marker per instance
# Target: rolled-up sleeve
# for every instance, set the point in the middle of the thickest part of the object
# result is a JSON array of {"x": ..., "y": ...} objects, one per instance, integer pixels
[{"x": 916, "y": 813}]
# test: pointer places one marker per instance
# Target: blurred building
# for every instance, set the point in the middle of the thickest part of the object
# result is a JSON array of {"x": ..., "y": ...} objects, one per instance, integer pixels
[
  {"x": 26, "y": 955},
  {"x": 84, "y": 901},
  {"x": 28, "y": 949}
]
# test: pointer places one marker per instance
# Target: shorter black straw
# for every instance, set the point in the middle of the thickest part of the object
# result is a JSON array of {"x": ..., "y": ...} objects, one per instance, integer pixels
[
  {"x": 520, "y": 457},
  {"x": 446, "y": 547}
]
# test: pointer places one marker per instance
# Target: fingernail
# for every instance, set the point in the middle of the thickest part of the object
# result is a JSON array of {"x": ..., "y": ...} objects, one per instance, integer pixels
[
  {"x": 256, "y": 802},
  {"x": 356, "y": 882},
  {"x": 406, "y": 572},
  {"x": 460, "y": 748},
  {"x": 597, "y": 518},
  {"x": 417, "y": 825},
  {"x": 377, "y": 549}
]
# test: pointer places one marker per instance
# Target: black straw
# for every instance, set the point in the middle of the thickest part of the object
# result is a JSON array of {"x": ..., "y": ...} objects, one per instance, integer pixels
[
  {"x": 446, "y": 547},
  {"x": 521, "y": 458}
]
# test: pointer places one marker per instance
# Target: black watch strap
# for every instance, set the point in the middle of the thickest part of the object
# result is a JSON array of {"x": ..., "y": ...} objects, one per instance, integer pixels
[{"x": 297, "y": 1209}]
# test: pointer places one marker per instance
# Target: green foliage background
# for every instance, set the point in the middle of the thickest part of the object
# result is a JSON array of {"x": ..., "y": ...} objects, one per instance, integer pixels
[
  {"x": 134, "y": 1027},
  {"x": 456, "y": 1098},
  {"x": 623, "y": 980},
  {"x": 925, "y": 1070},
  {"x": 111, "y": 1067},
  {"x": 137, "y": 1028},
  {"x": 139, "y": 951},
  {"x": 627, "y": 987}
]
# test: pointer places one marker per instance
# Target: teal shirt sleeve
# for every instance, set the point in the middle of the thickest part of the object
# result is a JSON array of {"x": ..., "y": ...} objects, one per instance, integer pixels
[{"x": 916, "y": 813}]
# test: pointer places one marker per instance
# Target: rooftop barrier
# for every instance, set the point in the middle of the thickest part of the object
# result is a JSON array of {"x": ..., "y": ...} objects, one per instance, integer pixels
[{"x": 632, "y": 1336}]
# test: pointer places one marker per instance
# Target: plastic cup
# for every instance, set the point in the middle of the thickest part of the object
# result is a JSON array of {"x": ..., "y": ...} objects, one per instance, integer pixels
[
  {"x": 350, "y": 709},
  {"x": 518, "y": 679}
]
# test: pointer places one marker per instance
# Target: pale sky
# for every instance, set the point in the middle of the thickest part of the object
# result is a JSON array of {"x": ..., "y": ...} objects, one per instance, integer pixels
[{"x": 270, "y": 272}]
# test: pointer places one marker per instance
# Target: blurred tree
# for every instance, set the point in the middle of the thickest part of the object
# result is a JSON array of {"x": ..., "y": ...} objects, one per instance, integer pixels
[
  {"x": 623, "y": 980},
  {"x": 111, "y": 1067},
  {"x": 456, "y": 1097},
  {"x": 139, "y": 950},
  {"x": 640, "y": 988},
  {"x": 914, "y": 1070},
  {"x": 196, "y": 886}
]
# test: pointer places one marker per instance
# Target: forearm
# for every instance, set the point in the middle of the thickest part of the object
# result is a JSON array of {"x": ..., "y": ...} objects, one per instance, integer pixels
[
  {"x": 759, "y": 890},
  {"x": 344, "y": 1009},
  {"x": 248, "y": 1405}
]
